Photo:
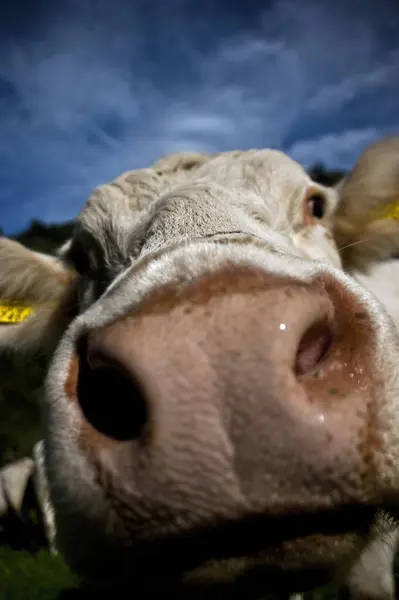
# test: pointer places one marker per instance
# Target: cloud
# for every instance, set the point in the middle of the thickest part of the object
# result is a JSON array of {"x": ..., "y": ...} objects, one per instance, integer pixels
[
  {"x": 329, "y": 97},
  {"x": 94, "y": 89},
  {"x": 334, "y": 149}
]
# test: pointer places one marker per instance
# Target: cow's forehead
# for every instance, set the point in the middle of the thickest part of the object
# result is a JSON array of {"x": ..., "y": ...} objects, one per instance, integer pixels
[
  {"x": 263, "y": 163},
  {"x": 226, "y": 192},
  {"x": 135, "y": 190}
]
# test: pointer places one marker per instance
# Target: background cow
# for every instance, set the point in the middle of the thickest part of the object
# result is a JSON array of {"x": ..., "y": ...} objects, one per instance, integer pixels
[{"x": 159, "y": 257}]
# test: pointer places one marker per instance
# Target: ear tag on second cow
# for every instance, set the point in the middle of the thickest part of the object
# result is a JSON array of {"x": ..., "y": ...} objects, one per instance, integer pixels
[
  {"x": 391, "y": 211},
  {"x": 12, "y": 313}
]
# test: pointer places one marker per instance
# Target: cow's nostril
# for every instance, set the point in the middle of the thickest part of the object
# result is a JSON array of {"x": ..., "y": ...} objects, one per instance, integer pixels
[
  {"x": 313, "y": 347},
  {"x": 112, "y": 400}
]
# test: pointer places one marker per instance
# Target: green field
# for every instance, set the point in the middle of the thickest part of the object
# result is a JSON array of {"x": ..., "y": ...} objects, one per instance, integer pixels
[{"x": 39, "y": 576}]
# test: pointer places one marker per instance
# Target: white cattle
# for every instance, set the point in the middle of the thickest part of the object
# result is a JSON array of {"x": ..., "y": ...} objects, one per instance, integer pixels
[{"x": 221, "y": 408}]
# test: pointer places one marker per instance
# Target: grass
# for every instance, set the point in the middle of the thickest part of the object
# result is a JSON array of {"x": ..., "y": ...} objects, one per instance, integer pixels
[
  {"x": 26, "y": 576},
  {"x": 42, "y": 576}
]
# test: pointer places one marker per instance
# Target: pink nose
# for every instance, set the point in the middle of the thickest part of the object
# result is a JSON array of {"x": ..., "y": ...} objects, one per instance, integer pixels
[{"x": 239, "y": 394}]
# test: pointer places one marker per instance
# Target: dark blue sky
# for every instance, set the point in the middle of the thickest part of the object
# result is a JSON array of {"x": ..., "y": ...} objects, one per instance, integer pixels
[{"x": 90, "y": 88}]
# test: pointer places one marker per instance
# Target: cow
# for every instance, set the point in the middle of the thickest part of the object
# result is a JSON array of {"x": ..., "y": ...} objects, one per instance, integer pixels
[{"x": 220, "y": 408}]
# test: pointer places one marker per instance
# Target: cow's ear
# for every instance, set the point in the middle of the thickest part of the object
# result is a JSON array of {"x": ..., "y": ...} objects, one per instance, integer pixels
[
  {"x": 366, "y": 221},
  {"x": 37, "y": 297}
]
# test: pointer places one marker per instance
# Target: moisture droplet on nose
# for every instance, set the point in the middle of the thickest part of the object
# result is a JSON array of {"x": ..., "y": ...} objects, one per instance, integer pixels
[{"x": 283, "y": 326}]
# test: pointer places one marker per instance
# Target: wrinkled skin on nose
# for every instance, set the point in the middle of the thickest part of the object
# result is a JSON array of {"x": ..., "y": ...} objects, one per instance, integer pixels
[{"x": 233, "y": 417}]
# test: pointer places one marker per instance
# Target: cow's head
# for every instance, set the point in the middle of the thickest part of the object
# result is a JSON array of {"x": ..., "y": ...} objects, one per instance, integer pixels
[
  {"x": 221, "y": 405},
  {"x": 367, "y": 217}
]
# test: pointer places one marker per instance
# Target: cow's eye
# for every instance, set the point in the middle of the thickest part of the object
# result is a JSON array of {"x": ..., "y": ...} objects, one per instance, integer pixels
[{"x": 316, "y": 206}]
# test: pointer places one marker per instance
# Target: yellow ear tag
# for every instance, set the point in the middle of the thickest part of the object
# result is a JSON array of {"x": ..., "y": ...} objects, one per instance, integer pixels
[
  {"x": 391, "y": 211},
  {"x": 13, "y": 312}
]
